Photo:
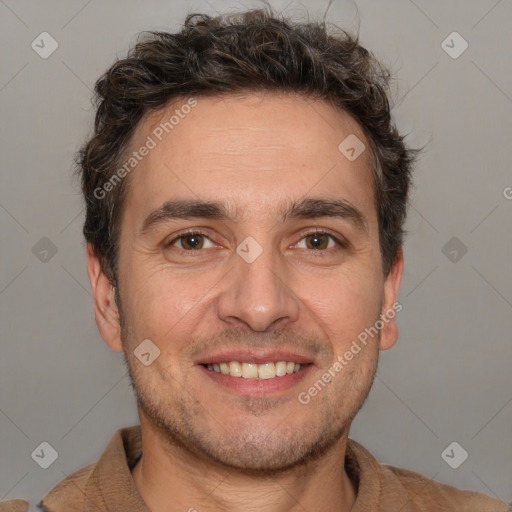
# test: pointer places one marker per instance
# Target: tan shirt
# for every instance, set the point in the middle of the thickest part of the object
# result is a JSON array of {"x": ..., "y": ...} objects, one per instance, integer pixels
[{"x": 107, "y": 485}]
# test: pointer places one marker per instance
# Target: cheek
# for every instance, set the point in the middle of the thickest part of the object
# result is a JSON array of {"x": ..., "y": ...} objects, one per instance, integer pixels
[
  {"x": 163, "y": 307},
  {"x": 345, "y": 303}
]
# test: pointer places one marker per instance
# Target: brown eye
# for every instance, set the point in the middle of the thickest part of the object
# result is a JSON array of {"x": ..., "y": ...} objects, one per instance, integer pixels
[
  {"x": 190, "y": 241},
  {"x": 319, "y": 241}
]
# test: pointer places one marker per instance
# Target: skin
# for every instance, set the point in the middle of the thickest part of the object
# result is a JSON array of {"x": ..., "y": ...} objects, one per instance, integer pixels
[{"x": 207, "y": 447}]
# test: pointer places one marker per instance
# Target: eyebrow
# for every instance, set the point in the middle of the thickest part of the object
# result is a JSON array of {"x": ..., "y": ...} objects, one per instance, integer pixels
[{"x": 309, "y": 208}]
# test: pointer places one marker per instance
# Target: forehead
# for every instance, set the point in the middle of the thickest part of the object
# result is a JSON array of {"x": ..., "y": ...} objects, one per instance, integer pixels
[{"x": 257, "y": 150}]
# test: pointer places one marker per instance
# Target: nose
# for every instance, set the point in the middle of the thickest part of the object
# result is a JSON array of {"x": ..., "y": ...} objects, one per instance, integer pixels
[{"x": 257, "y": 293}]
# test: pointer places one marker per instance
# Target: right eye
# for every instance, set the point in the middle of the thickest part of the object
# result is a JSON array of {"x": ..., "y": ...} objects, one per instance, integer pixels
[{"x": 191, "y": 241}]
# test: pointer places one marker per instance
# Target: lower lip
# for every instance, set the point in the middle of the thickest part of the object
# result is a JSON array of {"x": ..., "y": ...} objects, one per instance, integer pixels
[{"x": 258, "y": 387}]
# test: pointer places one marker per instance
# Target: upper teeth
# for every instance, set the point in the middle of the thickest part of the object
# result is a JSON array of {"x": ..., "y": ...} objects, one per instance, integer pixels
[{"x": 253, "y": 370}]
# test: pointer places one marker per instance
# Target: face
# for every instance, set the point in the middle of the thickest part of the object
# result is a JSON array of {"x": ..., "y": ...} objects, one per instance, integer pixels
[{"x": 249, "y": 243}]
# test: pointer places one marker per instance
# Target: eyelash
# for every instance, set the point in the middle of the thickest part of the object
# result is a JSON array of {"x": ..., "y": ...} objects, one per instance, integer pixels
[{"x": 342, "y": 244}]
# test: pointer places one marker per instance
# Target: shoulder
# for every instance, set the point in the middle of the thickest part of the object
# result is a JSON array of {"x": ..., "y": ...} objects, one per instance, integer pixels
[
  {"x": 384, "y": 487},
  {"x": 18, "y": 506},
  {"x": 82, "y": 490},
  {"x": 14, "y": 506},
  {"x": 72, "y": 488},
  {"x": 427, "y": 494}
]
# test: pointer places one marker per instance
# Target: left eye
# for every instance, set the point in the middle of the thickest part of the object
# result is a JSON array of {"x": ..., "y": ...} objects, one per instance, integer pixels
[{"x": 319, "y": 239}]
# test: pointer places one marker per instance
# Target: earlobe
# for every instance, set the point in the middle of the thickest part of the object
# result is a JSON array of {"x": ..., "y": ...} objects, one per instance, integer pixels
[
  {"x": 105, "y": 307},
  {"x": 390, "y": 305}
]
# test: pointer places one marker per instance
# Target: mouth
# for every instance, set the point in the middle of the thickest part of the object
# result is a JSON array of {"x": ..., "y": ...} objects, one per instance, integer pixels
[
  {"x": 256, "y": 373},
  {"x": 245, "y": 370}
]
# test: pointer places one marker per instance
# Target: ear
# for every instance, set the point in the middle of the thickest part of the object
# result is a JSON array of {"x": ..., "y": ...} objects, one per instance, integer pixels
[
  {"x": 105, "y": 307},
  {"x": 390, "y": 306}
]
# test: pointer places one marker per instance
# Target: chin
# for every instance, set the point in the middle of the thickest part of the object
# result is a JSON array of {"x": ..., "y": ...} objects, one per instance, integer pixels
[{"x": 267, "y": 452}]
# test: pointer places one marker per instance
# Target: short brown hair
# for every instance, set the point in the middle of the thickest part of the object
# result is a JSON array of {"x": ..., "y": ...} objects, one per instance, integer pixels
[{"x": 232, "y": 54}]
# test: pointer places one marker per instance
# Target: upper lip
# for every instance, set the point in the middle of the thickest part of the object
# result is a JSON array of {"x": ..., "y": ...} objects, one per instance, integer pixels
[{"x": 256, "y": 356}]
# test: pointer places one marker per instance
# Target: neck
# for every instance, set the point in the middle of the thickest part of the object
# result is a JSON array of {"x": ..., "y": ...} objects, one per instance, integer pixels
[{"x": 169, "y": 478}]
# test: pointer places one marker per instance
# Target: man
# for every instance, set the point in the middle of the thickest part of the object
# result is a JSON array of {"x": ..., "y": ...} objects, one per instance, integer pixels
[{"x": 246, "y": 191}]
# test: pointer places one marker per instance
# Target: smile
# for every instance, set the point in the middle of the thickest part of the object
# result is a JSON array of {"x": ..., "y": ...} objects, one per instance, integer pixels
[{"x": 255, "y": 371}]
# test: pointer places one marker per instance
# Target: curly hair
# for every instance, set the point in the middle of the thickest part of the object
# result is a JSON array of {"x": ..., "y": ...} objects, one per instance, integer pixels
[{"x": 234, "y": 54}]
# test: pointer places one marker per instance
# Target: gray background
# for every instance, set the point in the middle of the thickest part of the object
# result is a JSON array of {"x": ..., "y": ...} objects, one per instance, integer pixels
[{"x": 449, "y": 377}]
